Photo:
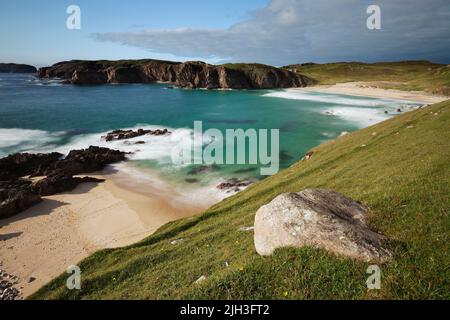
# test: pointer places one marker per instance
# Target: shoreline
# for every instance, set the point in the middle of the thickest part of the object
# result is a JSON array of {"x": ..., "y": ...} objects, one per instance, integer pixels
[
  {"x": 369, "y": 89},
  {"x": 41, "y": 242}
]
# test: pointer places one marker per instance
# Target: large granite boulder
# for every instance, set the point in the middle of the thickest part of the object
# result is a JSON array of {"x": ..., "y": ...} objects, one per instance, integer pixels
[{"x": 319, "y": 218}]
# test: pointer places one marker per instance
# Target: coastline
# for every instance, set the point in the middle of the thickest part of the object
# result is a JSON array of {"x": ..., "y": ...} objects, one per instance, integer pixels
[
  {"x": 44, "y": 240},
  {"x": 66, "y": 228},
  {"x": 369, "y": 89}
]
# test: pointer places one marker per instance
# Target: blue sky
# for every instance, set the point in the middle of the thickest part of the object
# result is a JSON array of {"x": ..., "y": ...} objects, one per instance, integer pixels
[{"x": 277, "y": 32}]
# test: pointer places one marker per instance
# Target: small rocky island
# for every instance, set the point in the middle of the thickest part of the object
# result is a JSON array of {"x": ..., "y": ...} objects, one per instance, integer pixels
[
  {"x": 16, "y": 68},
  {"x": 191, "y": 74}
]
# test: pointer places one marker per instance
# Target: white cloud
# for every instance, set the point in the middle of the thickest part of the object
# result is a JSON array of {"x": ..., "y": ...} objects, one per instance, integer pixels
[{"x": 292, "y": 31}]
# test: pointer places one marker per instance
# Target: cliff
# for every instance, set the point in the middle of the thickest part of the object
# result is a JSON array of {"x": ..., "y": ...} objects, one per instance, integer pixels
[
  {"x": 192, "y": 74},
  {"x": 16, "y": 68}
]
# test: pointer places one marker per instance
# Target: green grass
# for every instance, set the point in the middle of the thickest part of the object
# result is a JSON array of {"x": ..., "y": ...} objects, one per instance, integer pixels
[
  {"x": 406, "y": 75},
  {"x": 246, "y": 66},
  {"x": 402, "y": 174}
]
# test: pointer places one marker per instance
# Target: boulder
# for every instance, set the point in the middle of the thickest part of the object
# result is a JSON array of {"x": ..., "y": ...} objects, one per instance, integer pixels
[{"x": 318, "y": 218}]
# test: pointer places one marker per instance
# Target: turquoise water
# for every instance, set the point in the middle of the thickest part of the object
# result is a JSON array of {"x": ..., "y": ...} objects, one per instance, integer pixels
[{"x": 47, "y": 116}]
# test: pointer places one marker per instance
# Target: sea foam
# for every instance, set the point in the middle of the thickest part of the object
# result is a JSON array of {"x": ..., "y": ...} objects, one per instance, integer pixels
[
  {"x": 294, "y": 94},
  {"x": 16, "y": 139}
]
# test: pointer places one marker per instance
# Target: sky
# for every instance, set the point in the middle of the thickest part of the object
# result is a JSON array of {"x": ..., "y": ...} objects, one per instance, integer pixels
[{"x": 276, "y": 32}]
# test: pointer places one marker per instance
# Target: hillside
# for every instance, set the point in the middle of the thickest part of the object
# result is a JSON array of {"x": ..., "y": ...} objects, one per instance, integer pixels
[
  {"x": 16, "y": 68},
  {"x": 190, "y": 74},
  {"x": 406, "y": 75},
  {"x": 399, "y": 168}
]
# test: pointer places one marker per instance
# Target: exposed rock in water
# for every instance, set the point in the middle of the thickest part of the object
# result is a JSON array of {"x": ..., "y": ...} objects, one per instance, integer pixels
[
  {"x": 319, "y": 218},
  {"x": 234, "y": 184},
  {"x": 203, "y": 169},
  {"x": 17, "y": 194},
  {"x": 129, "y": 134},
  {"x": 16, "y": 68},
  {"x": 83, "y": 161},
  {"x": 192, "y": 74}
]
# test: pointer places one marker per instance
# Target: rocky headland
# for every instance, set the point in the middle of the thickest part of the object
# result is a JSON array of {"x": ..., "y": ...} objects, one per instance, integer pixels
[
  {"x": 191, "y": 74},
  {"x": 16, "y": 68}
]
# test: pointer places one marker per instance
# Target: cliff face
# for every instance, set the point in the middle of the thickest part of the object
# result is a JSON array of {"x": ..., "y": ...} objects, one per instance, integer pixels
[
  {"x": 186, "y": 75},
  {"x": 16, "y": 68}
]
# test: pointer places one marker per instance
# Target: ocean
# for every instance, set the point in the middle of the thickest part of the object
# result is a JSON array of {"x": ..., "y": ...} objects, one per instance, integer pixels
[{"x": 42, "y": 116}]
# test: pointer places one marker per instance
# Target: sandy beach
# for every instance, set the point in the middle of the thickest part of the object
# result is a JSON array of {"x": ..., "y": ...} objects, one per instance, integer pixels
[
  {"x": 44, "y": 240},
  {"x": 372, "y": 89}
]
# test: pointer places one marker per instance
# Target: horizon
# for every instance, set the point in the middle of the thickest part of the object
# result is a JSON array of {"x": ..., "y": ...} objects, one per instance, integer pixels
[{"x": 276, "y": 32}]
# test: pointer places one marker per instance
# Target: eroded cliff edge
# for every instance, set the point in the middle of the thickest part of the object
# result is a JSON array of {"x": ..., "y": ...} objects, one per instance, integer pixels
[{"x": 192, "y": 74}]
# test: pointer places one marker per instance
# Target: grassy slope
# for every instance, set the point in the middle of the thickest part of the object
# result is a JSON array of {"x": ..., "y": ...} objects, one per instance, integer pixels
[
  {"x": 410, "y": 75},
  {"x": 402, "y": 174}
]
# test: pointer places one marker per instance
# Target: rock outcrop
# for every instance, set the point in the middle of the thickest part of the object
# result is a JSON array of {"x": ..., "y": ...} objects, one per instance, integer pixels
[
  {"x": 18, "y": 194},
  {"x": 16, "y": 68},
  {"x": 129, "y": 134},
  {"x": 25, "y": 164},
  {"x": 192, "y": 74},
  {"x": 234, "y": 185},
  {"x": 319, "y": 218}
]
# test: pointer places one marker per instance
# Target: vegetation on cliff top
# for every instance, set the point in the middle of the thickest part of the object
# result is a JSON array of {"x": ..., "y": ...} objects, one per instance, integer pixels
[
  {"x": 405, "y": 75},
  {"x": 399, "y": 168}
]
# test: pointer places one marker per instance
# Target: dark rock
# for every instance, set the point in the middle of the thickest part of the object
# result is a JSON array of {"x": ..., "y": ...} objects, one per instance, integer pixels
[
  {"x": 129, "y": 134},
  {"x": 88, "y": 77},
  {"x": 24, "y": 164},
  {"x": 84, "y": 161},
  {"x": 60, "y": 182},
  {"x": 203, "y": 169},
  {"x": 7, "y": 289},
  {"x": 191, "y": 74},
  {"x": 16, "y": 196},
  {"x": 234, "y": 184}
]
